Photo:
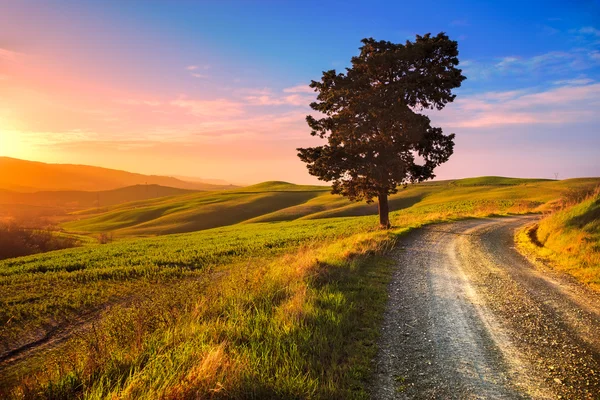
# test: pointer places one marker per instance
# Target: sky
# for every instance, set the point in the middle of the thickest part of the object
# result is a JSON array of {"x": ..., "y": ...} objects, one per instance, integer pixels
[{"x": 218, "y": 89}]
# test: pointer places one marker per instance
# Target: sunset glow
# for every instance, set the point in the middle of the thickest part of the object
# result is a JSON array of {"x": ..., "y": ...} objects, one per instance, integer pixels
[
  {"x": 299, "y": 199},
  {"x": 220, "y": 91}
]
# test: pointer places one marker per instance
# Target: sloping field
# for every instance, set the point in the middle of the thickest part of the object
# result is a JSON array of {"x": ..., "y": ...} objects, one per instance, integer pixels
[
  {"x": 569, "y": 238},
  {"x": 196, "y": 212},
  {"x": 262, "y": 310},
  {"x": 81, "y": 199},
  {"x": 281, "y": 201}
]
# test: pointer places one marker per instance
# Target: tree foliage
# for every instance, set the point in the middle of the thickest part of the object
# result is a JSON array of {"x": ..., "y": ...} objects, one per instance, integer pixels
[{"x": 370, "y": 117}]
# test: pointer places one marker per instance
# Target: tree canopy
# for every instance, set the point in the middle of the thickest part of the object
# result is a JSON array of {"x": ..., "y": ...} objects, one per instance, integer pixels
[{"x": 376, "y": 138}]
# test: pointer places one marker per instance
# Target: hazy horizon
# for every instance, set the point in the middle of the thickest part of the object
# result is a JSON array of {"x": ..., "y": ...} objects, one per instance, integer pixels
[{"x": 217, "y": 181}]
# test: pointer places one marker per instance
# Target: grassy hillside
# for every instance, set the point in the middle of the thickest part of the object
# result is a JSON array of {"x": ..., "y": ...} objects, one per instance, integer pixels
[
  {"x": 36, "y": 176},
  {"x": 286, "y": 309},
  {"x": 70, "y": 199},
  {"x": 281, "y": 201},
  {"x": 496, "y": 181},
  {"x": 570, "y": 239},
  {"x": 189, "y": 213},
  {"x": 267, "y": 310}
]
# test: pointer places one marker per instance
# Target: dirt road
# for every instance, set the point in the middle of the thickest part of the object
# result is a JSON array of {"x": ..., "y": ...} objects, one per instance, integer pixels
[{"x": 470, "y": 318}]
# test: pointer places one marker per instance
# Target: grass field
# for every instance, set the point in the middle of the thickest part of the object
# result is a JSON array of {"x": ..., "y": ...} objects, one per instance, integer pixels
[
  {"x": 569, "y": 238},
  {"x": 281, "y": 201},
  {"x": 286, "y": 309}
]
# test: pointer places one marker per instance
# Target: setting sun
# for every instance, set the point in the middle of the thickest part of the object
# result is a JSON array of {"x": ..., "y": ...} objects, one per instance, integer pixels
[{"x": 12, "y": 145}]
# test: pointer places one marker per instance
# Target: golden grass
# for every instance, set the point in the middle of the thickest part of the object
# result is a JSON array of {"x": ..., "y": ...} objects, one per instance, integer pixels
[
  {"x": 292, "y": 327},
  {"x": 568, "y": 238},
  {"x": 273, "y": 310}
]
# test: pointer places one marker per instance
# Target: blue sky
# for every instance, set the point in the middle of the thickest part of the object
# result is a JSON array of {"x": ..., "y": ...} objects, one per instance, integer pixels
[{"x": 209, "y": 86}]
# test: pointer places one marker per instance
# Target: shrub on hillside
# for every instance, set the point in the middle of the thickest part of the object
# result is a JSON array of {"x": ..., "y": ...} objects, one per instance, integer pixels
[
  {"x": 16, "y": 241},
  {"x": 105, "y": 238}
]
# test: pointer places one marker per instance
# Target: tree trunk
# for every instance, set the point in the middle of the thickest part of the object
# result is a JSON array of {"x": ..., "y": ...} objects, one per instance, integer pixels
[{"x": 384, "y": 211}]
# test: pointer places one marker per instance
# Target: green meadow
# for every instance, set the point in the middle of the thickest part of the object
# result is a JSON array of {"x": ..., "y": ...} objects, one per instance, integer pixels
[
  {"x": 273, "y": 290},
  {"x": 281, "y": 201}
]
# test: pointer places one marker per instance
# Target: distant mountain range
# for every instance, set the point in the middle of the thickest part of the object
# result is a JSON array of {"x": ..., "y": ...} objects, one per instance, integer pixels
[{"x": 32, "y": 176}]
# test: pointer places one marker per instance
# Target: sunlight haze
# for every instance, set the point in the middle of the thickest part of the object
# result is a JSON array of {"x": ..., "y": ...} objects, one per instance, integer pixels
[{"x": 219, "y": 89}]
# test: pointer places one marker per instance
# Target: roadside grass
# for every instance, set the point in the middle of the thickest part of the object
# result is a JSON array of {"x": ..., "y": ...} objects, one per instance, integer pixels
[
  {"x": 267, "y": 310},
  {"x": 43, "y": 291},
  {"x": 301, "y": 326},
  {"x": 568, "y": 238}
]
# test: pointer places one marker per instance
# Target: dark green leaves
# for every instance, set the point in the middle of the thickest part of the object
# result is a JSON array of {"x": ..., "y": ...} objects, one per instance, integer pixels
[{"x": 370, "y": 117}]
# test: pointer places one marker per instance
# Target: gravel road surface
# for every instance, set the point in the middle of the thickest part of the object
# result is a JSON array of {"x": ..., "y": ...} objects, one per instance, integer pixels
[{"x": 470, "y": 318}]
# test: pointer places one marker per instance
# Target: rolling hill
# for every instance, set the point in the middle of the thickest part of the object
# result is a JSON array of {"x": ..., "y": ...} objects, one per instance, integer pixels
[
  {"x": 299, "y": 287},
  {"x": 282, "y": 201},
  {"x": 83, "y": 199},
  {"x": 30, "y": 176}
]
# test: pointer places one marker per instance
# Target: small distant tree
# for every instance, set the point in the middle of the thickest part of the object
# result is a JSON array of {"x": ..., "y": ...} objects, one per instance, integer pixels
[
  {"x": 374, "y": 133},
  {"x": 105, "y": 237}
]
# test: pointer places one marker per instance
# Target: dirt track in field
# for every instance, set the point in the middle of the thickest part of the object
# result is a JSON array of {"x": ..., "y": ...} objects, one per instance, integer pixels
[{"x": 470, "y": 318}]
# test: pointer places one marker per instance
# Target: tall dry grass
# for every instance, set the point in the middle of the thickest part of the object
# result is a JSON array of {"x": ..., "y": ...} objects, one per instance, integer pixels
[{"x": 569, "y": 236}]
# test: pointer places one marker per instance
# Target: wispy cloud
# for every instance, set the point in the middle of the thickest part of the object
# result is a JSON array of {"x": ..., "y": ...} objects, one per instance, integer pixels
[
  {"x": 292, "y": 96},
  {"x": 197, "y": 67},
  {"x": 551, "y": 63},
  {"x": 10, "y": 55},
  {"x": 506, "y": 62},
  {"x": 561, "y": 105},
  {"x": 584, "y": 55},
  {"x": 217, "y": 108},
  {"x": 548, "y": 30},
  {"x": 194, "y": 71},
  {"x": 589, "y": 30},
  {"x": 292, "y": 100},
  {"x": 299, "y": 89},
  {"x": 574, "y": 82}
]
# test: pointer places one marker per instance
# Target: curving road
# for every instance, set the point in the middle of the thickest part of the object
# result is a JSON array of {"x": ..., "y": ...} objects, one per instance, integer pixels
[{"x": 468, "y": 317}]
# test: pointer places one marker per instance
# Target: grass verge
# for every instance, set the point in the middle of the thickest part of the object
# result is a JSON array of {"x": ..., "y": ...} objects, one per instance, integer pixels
[
  {"x": 568, "y": 239},
  {"x": 301, "y": 326}
]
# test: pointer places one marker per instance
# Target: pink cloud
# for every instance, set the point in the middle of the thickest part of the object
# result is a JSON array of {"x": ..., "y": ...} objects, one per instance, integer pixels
[
  {"x": 264, "y": 100},
  {"x": 555, "y": 106},
  {"x": 217, "y": 108},
  {"x": 266, "y": 97},
  {"x": 10, "y": 55},
  {"x": 196, "y": 67}
]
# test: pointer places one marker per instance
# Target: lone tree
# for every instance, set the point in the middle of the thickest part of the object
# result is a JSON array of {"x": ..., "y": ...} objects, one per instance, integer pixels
[{"x": 376, "y": 140}]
